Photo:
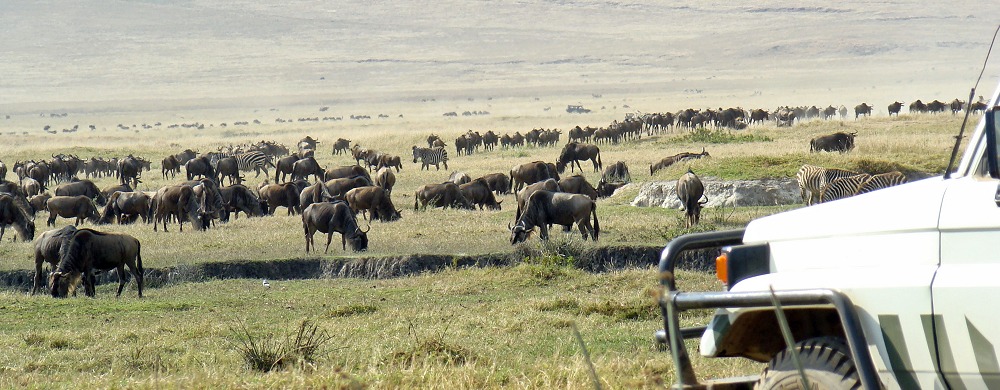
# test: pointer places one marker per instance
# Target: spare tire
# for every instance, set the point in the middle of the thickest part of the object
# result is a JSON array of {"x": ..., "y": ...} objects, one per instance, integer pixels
[{"x": 826, "y": 361}]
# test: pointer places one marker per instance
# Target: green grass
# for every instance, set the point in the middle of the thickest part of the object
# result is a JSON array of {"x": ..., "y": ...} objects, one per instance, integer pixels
[{"x": 482, "y": 328}]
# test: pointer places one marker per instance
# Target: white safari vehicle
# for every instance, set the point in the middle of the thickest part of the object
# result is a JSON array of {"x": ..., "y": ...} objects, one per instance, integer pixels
[{"x": 896, "y": 289}]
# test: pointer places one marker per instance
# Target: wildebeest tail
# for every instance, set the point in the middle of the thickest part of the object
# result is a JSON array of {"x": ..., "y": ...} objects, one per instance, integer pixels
[
  {"x": 600, "y": 165},
  {"x": 597, "y": 225}
]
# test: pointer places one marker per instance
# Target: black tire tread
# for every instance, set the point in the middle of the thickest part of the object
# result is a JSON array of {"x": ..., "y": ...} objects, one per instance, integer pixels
[{"x": 826, "y": 361}]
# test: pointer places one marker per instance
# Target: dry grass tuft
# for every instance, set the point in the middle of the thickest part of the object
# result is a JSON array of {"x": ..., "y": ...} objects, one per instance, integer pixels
[{"x": 269, "y": 353}]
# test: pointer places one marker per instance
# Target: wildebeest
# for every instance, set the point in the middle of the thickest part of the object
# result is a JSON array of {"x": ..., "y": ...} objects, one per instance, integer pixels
[
  {"x": 557, "y": 208},
  {"x": 339, "y": 187},
  {"x": 341, "y": 146},
  {"x": 498, "y": 182},
  {"x": 862, "y": 109},
  {"x": 38, "y": 202},
  {"x": 956, "y": 106},
  {"x": 524, "y": 194},
  {"x": 78, "y": 206},
  {"x": 836, "y": 142},
  {"x": 315, "y": 193},
  {"x": 690, "y": 190},
  {"x": 177, "y": 201},
  {"x": 375, "y": 201},
  {"x": 228, "y": 167},
  {"x": 307, "y": 166},
  {"x": 680, "y": 157},
  {"x": 284, "y": 167},
  {"x": 386, "y": 179},
  {"x": 577, "y": 184},
  {"x": 170, "y": 165},
  {"x": 31, "y": 187},
  {"x": 282, "y": 195},
  {"x": 47, "y": 251},
  {"x": 327, "y": 217},
  {"x": 83, "y": 187},
  {"x": 85, "y": 251},
  {"x": 346, "y": 171},
  {"x": 936, "y": 106},
  {"x": 606, "y": 189},
  {"x": 617, "y": 172},
  {"x": 459, "y": 178},
  {"x": 129, "y": 170},
  {"x": 16, "y": 215},
  {"x": 533, "y": 172},
  {"x": 388, "y": 160},
  {"x": 895, "y": 107},
  {"x": 443, "y": 195},
  {"x": 573, "y": 152},
  {"x": 199, "y": 167},
  {"x": 918, "y": 106},
  {"x": 124, "y": 207},
  {"x": 238, "y": 197},
  {"x": 478, "y": 192}
]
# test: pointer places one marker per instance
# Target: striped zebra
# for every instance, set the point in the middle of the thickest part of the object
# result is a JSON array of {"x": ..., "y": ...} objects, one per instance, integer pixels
[
  {"x": 843, "y": 187},
  {"x": 246, "y": 161},
  {"x": 812, "y": 179},
  {"x": 431, "y": 156},
  {"x": 882, "y": 180}
]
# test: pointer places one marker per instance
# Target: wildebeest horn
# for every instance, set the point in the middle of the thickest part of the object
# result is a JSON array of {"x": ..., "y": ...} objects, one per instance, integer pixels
[
  {"x": 366, "y": 231},
  {"x": 509, "y": 227},
  {"x": 499, "y": 202}
]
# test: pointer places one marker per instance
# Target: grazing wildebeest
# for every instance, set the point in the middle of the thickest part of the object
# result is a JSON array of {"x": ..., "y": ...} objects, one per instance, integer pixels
[
  {"x": 498, "y": 182},
  {"x": 315, "y": 193},
  {"x": 341, "y": 146},
  {"x": 606, "y": 189},
  {"x": 307, "y": 166},
  {"x": 307, "y": 143},
  {"x": 83, "y": 187},
  {"x": 617, "y": 172},
  {"x": 178, "y": 201},
  {"x": 862, "y": 109},
  {"x": 690, "y": 190},
  {"x": 388, "y": 160},
  {"x": 836, "y": 142},
  {"x": 361, "y": 154},
  {"x": 478, "y": 192},
  {"x": 12, "y": 213},
  {"x": 386, "y": 179},
  {"x": 228, "y": 167},
  {"x": 573, "y": 152},
  {"x": 38, "y": 202},
  {"x": 895, "y": 107},
  {"x": 47, "y": 251},
  {"x": 555, "y": 208},
  {"x": 339, "y": 187},
  {"x": 577, "y": 184},
  {"x": 680, "y": 157},
  {"x": 78, "y": 206},
  {"x": 170, "y": 165},
  {"x": 375, "y": 201},
  {"x": 284, "y": 167},
  {"x": 238, "y": 198},
  {"x": 459, "y": 178},
  {"x": 524, "y": 194},
  {"x": 199, "y": 167},
  {"x": 327, "y": 217},
  {"x": 85, "y": 251},
  {"x": 124, "y": 207},
  {"x": 530, "y": 173},
  {"x": 442, "y": 195},
  {"x": 346, "y": 171},
  {"x": 282, "y": 195}
]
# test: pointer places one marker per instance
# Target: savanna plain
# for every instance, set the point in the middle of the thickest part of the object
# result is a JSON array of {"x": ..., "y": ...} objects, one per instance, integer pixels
[{"x": 461, "y": 327}]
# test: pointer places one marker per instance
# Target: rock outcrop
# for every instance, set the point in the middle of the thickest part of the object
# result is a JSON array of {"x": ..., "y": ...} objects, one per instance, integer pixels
[{"x": 723, "y": 193}]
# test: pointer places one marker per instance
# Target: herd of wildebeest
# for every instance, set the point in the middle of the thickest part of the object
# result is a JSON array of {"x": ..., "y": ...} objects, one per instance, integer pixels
[{"x": 330, "y": 199}]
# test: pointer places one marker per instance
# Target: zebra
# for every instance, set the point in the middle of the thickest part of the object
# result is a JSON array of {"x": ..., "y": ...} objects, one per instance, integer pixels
[
  {"x": 843, "y": 187},
  {"x": 430, "y": 156},
  {"x": 812, "y": 179},
  {"x": 882, "y": 180},
  {"x": 254, "y": 159}
]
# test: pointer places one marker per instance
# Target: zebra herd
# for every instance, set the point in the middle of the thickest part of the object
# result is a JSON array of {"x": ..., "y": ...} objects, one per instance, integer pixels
[{"x": 819, "y": 184}]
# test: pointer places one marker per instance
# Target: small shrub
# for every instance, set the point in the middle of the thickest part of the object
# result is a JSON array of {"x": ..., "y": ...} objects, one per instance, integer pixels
[
  {"x": 267, "y": 353},
  {"x": 34, "y": 340},
  {"x": 721, "y": 136},
  {"x": 621, "y": 311},
  {"x": 561, "y": 304},
  {"x": 435, "y": 349},
  {"x": 352, "y": 310}
]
